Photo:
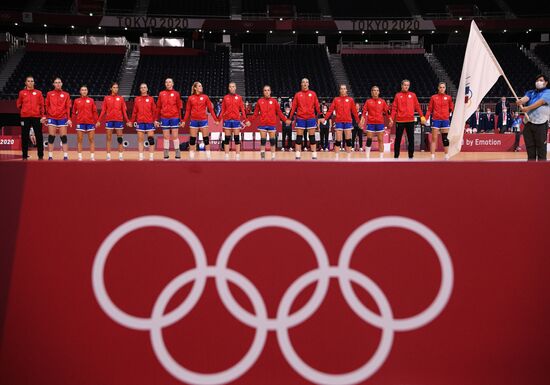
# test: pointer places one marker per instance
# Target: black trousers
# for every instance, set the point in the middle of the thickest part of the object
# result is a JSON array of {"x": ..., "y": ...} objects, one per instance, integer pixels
[
  {"x": 287, "y": 133},
  {"x": 357, "y": 133},
  {"x": 399, "y": 128},
  {"x": 535, "y": 140},
  {"x": 324, "y": 137},
  {"x": 26, "y": 124}
]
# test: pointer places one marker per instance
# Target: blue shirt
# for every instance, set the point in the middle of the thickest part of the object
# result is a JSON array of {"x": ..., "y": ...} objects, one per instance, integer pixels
[{"x": 540, "y": 114}]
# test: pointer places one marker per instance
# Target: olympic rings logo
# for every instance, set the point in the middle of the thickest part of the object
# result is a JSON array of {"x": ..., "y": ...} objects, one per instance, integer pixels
[{"x": 283, "y": 321}]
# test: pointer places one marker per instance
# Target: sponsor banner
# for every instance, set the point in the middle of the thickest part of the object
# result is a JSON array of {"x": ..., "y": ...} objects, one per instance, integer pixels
[
  {"x": 273, "y": 289},
  {"x": 10, "y": 142},
  {"x": 166, "y": 22},
  {"x": 382, "y": 25}
]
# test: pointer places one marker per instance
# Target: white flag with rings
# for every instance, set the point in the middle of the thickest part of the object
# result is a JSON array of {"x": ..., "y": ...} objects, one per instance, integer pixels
[{"x": 480, "y": 72}]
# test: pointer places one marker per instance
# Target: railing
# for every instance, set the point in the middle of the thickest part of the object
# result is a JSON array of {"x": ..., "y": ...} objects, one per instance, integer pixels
[{"x": 82, "y": 39}]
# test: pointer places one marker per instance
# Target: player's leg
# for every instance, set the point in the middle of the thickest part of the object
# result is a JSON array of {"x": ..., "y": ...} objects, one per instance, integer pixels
[
  {"x": 79, "y": 139},
  {"x": 64, "y": 140},
  {"x": 119, "y": 140}
]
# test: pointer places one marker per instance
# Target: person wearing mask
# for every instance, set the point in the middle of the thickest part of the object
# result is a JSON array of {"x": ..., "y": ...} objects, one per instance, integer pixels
[
  {"x": 357, "y": 132},
  {"x": 487, "y": 123},
  {"x": 324, "y": 128},
  {"x": 286, "y": 144},
  {"x": 474, "y": 121},
  {"x": 501, "y": 106},
  {"x": 30, "y": 103},
  {"x": 536, "y": 104}
]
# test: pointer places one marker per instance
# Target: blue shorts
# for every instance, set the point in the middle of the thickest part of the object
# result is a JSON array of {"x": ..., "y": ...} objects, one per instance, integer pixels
[
  {"x": 445, "y": 124},
  {"x": 343, "y": 126},
  {"x": 145, "y": 127},
  {"x": 114, "y": 125},
  {"x": 85, "y": 127},
  {"x": 306, "y": 123},
  {"x": 57, "y": 122},
  {"x": 266, "y": 128},
  {"x": 231, "y": 124},
  {"x": 166, "y": 124},
  {"x": 198, "y": 124},
  {"x": 375, "y": 127}
]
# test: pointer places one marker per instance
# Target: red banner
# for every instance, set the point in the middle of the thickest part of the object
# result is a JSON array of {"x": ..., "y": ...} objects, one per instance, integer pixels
[{"x": 275, "y": 273}]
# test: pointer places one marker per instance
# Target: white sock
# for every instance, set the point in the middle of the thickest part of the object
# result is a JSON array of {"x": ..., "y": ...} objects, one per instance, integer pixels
[
  {"x": 92, "y": 156},
  {"x": 79, "y": 156},
  {"x": 446, "y": 156},
  {"x": 50, "y": 154},
  {"x": 433, "y": 156},
  {"x": 65, "y": 154},
  {"x": 298, "y": 154},
  {"x": 237, "y": 156},
  {"x": 120, "y": 155},
  {"x": 141, "y": 156},
  {"x": 381, "y": 155},
  {"x": 272, "y": 155},
  {"x": 108, "y": 156},
  {"x": 337, "y": 155},
  {"x": 166, "y": 144},
  {"x": 176, "y": 144},
  {"x": 314, "y": 154},
  {"x": 191, "y": 154},
  {"x": 368, "y": 149},
  {"x": 151, "y": 156},
  {"x": 226, "y": 156},
  {"x": 207, "y": 154}
]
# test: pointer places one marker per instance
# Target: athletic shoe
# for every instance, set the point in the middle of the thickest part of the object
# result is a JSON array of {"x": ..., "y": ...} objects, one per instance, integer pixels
[
  {"x": 283, "y": 149},
  {"x": 262, "y": 155},
  {"x": 108, "y": 157},
  {"x": 166, "y": 154},
  {"x": 178, "y": 153},
  {"x": 50, "y": 158}
]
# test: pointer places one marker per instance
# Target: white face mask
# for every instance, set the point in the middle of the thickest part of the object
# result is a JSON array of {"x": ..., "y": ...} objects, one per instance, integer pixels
[{"x": 539, "y": 85}]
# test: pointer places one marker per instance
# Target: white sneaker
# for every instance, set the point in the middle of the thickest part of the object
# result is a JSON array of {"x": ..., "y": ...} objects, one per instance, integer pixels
[
  {"x": 283, "y": 149},
  {"x": 79, "y": 156},
  {"x": 151, "y": 157},
  {"x": 237, "y": 156},
  {"x": 226, "y": 156},
  {"x": 446, "y": 156},
  {"x": 191, "y": 154},
  {"x": 120, "y": 157},
  {"x": 108, "y": 156}
]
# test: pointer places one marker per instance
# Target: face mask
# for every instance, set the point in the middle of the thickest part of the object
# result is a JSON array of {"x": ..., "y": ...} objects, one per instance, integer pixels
[{"x": 539, "y": 85}]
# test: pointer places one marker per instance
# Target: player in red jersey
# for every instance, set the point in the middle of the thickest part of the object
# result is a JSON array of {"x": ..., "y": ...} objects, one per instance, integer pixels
[
  {"x": 85, "y": 117},
  {"x": 440, "y": 108},
  {"x": 143, "y": 118},
  {"x": 58, "y": 113},
  {"x": 268, "y": 110},
  {"x": 30, "y": 102},
  {"x": 306, "y": 106},
  {"x": 344, "y": 106},
  {"x": 374, "y": 111},
  {"x": 114, "y": 111},
  {"x": 232, "y": 112},
  {"x": 196, "y": 107},
  {"x": 404, "y": 105},
  {"x": 169, "y": 107}
]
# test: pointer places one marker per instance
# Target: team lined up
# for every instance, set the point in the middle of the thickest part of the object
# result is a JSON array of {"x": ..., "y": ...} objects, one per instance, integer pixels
[{"x": 166, "y": 114}]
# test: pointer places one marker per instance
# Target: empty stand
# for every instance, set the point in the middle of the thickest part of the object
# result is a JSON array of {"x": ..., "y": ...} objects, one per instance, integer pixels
[
  {"x": 210, "y": 68},
  {"x": 283, "y": 66},
  {"x": 194, "y": 8}
]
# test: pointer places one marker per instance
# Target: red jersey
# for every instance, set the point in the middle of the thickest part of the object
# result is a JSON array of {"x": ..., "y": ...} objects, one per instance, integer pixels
[
  {"x": 375, "y": 110},
  {"x": 305, "y": 103},
  {"x": 145, "y": 110},
  {"x": 441, "y": 105},
  {"x": 58, "y": 105},
  {"x": 169, "y": 105},
  {"x": 196, "y": 107},
  {"x": 344, "y": 106},
  {"x": 268, "y": 109},
  {"x": 31, "y": 103},
  {"x": 232, "y": 107},
  {"x": 85, "y": 111},
  {"x": 114, "y": 109},
  {"x": 403, "y": 107}
]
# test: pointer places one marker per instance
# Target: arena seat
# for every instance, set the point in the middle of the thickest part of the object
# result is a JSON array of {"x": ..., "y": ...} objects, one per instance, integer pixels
[
  {"x": 61, "y": 6},
  {"x": 209, "y": 8},
  {"x": 517, "y": 67},
  {"x": 97, "y": 71},
  {"x": 210, "y": 68},
  {"x": 543, "y": 52},
  {"x": 283, "y": 66},
  {"x": 371, "y": 9},
  {"x": 120, "y": 6},
  {"x": 386, "y": 71}
]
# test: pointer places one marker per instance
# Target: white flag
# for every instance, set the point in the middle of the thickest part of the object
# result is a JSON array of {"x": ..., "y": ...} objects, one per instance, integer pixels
[{"x": 480, "y": 72}]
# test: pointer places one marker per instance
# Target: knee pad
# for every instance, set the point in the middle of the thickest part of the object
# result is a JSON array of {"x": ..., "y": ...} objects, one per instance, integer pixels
[
  {"x": 312, "y": 139},
  {"x": 369, "y": 142},
  {"x": 206, "y": 140},
  {"x": 272, "y": 142},
  {"x": 299, "y": 139},
  {"x": 151, "y": 140},
  {"x": 237, "y": 139},
  {"x": 348, "y": 142},
  {"x": 263, "y": 141},
  {"x": 192, "y": 140},
  {"x": 51, "y": 139},
  {"x": 445, "y": 140},
  {"x": 63, "y": 139},
  {"x": 337, "y": 143},
  {"x": 119, "y": 139},
  {"x": 226, "y": 140}
]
